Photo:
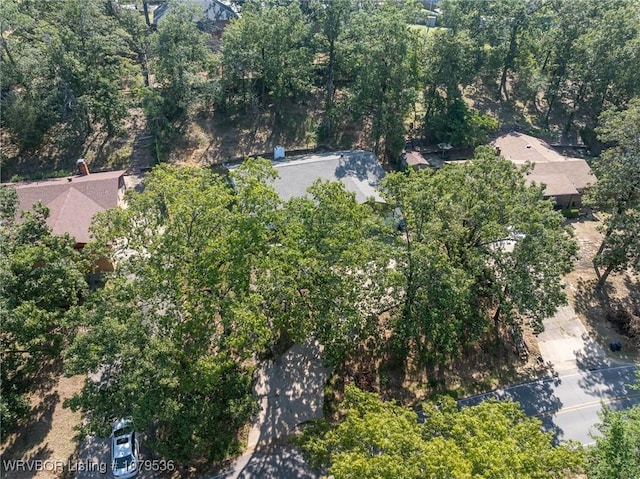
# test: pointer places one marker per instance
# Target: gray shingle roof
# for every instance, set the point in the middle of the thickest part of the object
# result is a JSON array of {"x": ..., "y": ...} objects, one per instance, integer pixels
[{"x": 359, "y": 171}]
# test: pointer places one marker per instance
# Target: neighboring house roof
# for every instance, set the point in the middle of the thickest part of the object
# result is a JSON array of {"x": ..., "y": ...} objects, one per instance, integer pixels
[
  {"x": 415, "y": 158},
  {"x": 562, "y": 175},
  {"x": 358, "y": 170},
  {"x": 213, "y": 10},
  {"x": 72, "y": 204}
]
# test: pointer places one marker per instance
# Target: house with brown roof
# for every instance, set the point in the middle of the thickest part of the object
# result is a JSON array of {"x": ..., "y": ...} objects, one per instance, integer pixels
[
  {"x": 564, "y": 178},
  {"x": 73, "y": 201},
  {"x": 413, "y": 160}
]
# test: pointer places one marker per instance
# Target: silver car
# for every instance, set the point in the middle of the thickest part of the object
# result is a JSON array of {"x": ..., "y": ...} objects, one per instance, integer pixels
[{"x": 125, "y": 450}]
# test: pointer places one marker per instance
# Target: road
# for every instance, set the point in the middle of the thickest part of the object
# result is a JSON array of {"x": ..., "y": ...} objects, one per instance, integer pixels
[{"x": 568, "y": 403}]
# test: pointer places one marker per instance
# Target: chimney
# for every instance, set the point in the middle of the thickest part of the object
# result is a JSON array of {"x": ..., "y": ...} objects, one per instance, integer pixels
[{"x": 81, "y": 165}]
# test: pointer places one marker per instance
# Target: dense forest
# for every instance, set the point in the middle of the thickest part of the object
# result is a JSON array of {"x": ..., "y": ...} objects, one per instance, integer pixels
[{"x": 75, "y": 73}]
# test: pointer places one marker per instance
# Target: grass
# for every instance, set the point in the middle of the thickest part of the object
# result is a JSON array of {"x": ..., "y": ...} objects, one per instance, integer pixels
[{"x": 49, "y": 431}]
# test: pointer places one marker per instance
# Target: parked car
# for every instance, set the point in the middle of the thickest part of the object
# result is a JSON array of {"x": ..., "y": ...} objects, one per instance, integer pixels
[{"x": 125, "y": 450}]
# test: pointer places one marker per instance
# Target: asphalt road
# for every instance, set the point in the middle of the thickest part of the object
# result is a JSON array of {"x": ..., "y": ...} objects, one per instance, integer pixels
[{"x": 568, "y": 403}]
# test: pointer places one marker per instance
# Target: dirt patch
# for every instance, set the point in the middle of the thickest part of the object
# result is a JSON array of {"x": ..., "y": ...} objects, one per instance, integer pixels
[
  {"x": 488, "y": 365},
  {"x": 596, "y": 309},
  {"x": 48, "y": 434}
]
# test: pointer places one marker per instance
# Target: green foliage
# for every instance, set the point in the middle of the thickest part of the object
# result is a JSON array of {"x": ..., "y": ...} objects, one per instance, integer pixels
[
  {"x": 460, "y": 126},
  {"x": 384, "y": 67},
  {"x": 171, "y": 330},
  {"x": 329, "y": 249},
  {"x": 42, "y": 286},
  {"x": 494, "y": 439},
  {"x": 67, "y": 63},
  {"x": 209, "y": 274},
  {"x": 615, "y": 454},
  {"x": 478, "y": 241},
  {"x": 570, "y": 213},
  {"x": 180, "y": 58},
  {"x": 268, "y": 51},
  {"x": 617, "y": 192}
]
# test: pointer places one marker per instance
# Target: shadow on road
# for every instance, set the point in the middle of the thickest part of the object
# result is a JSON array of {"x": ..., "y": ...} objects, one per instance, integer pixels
[{"x": 536, "y": 399}]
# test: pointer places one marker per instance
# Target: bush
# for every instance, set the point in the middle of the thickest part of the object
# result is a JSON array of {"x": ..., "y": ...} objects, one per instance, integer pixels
[
  {"x": 570, "y": 213},
  {"x": 460, "y": 126}
]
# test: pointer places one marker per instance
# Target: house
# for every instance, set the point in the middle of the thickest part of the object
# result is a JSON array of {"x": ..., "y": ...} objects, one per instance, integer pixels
[
  {"x": 73, "y": 201},
  {"x": 358, "y": 170},
  {"x": 413, "y": 160},
  {"x": 564, "y": 178},
  {"x": 215, "y": 14}
]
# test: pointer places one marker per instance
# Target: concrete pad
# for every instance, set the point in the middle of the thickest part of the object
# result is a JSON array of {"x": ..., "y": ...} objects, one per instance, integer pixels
[
  {"x": 291, "y": 391},
  {"x": 565, "y": 343}
]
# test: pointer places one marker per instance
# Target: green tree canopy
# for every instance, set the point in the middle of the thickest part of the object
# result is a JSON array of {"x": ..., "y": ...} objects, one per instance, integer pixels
[
  {"x": 212, "y": 271},
  {"x": 171, "y": 331},
  {"x": 376, "y": 439},
  {"x": 268, "y": 50},
  {"x": 42, "y": 287},
  {"x": 180, "y": 57},
  {"x": 478, "y": 242},
  {"x": 64, "y": 62},
  {"x": 617, "y": 191},
  {"x": 616, "y": 454}
]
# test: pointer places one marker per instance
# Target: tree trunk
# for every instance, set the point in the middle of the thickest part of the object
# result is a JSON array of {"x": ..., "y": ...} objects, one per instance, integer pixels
[
  {"x": 145, "y": 7},
  {"x": 328, "y": 101},
  {"x": 6, "y": 49},
  {"x": 145, "y": 68},
  {"x": 508, "y": 61},
  {"x": 572, "y": 115},
  {"x": 603, "y": 278}
]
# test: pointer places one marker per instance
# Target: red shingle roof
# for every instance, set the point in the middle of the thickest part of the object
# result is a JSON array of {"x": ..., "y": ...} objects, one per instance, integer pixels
[{"x": 72, "y": 201}]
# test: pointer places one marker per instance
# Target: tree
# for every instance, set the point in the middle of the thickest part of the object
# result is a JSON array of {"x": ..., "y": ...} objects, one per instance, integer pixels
[
  {"x": 269, "y": 47},
  {"x": 448, "y": 67},
  {"x": 42, "y": 287},
  {"x": 69, "y": 63},
  {"x": 477, "y": 243},
  {"x": 616, "y": 454},
  {"x": 501, "y": 32},
  {"x": 333, "y": 17},
  {"x": 180, "y": 56},
  {"x": 385, "y": 78},
  {"x": 376, "y": 439},
  {"x": 326, "y": 278},
  {"x": 212, "y": 271},
  {"x": 172, "y": 330},
  {"x": 617, "y": 191}
]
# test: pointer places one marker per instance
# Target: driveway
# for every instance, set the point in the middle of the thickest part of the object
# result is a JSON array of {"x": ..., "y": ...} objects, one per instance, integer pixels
[
  {"x": 582, "y": 378},
  {"x": 565, "y": 344},
  {"x": 291, "y": 392}
]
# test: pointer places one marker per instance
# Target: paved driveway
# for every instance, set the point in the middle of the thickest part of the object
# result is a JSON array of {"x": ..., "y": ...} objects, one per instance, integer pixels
[
  {"x": 291, "y": 391},
  {"x": 565, "y": 344}
]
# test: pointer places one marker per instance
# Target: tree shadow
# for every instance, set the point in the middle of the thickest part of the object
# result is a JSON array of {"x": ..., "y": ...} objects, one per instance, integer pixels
[
  {"x": 272, "y": 462},
  {"x": 599, "y": 307},
  {"x": 26, "y": 444},
  {"x": 290, "y": 390},
  {"x": 362, "y": 165},
  {"x": 241, "y": 132},
  {"x": 537, "y": 399}
]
